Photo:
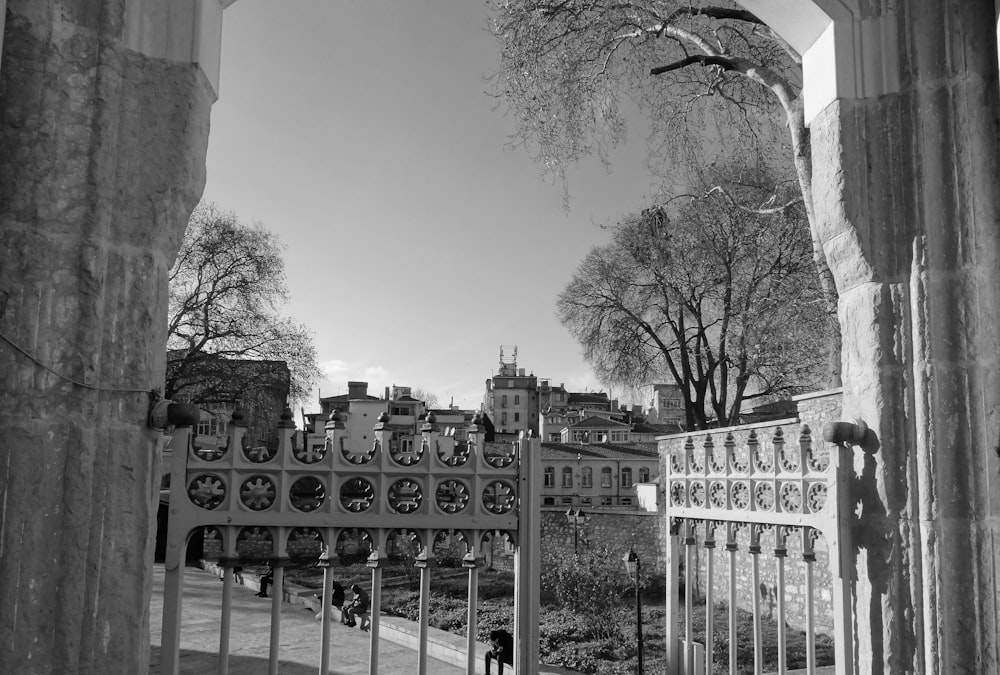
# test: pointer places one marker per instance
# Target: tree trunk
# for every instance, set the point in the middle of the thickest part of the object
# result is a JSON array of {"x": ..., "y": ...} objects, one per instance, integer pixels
[{"x": 802, "y": 157}]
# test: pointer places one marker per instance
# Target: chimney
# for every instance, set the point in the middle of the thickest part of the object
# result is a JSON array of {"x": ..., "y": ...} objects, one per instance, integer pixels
[
  {"x": 386, "y": 392},
  {"x": 357, "y": 390}
]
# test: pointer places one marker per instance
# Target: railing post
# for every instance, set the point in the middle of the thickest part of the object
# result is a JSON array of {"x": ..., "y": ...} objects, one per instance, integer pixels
[
  {"x": 672, "y": 589},
  {"x": 277, "y": 598}
]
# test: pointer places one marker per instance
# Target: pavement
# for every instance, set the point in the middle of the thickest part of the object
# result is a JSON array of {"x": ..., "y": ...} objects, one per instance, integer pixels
[{"x": 249, "y": 641}]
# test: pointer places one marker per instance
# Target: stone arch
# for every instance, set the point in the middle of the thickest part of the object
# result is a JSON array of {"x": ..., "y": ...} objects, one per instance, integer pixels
[{"x": 902, "y": 99}]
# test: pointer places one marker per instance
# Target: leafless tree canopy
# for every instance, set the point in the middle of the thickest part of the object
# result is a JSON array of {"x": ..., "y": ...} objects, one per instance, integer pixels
[
  {"x": 709, "y": 293},
  {"x": 226, "y": 290},
  {"x": 569, "y": 66}
]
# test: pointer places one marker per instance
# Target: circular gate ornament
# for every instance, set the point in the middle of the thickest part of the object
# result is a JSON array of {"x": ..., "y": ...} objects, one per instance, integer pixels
[
  {"x": 498, "y": 497},
  {"x": 357, "y": 495},
  {"x": 451, "y": 496},
  {"x": 307, "y": 494},
  {"x": 207, "y": 491},
  {"x": 257, "y": 492},
  {"x": 405, "y": 496}
]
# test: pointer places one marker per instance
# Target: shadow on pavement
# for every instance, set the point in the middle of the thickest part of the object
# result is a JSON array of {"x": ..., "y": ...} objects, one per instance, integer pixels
[{"x": 199, "y": 663}]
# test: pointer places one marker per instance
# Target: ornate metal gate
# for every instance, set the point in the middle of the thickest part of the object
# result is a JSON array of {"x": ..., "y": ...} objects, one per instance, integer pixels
[
  {"x": 257, "y": 503},
  {"x": 757, "y": 490}
]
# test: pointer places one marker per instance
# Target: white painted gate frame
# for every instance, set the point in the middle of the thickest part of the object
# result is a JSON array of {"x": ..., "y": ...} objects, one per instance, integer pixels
[{"x": 762, "y": 485}]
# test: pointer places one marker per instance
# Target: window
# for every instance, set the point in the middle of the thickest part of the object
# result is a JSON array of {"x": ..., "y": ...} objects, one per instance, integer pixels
[
  {"x": 517, "y": 417},
  {"x": 567, "y": 477},
  {"x": 587, "y": 477},
  {"x": 626, "y": 477},
  {"x": 211, "y": 426},
  {"x": 643, "y": 475},
  {"x": 550, "y": 477},
  {"x": 517, "y": 399},
  {"x": 549, "y": 501},
  {"x": 606, "y": 501},
  {"x": 586, "y": 500},
  {"x": 606, "y": 477},
  {"x": 567, "y": 500},
  {"x": 503, "y": 419},
  {"x": 626, "y": 501},
  {"x": 503, "y": 401}
]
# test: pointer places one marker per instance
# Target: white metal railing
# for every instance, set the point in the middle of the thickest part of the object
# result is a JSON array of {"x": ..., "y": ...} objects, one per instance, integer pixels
[{"x": 751, "y": 489}]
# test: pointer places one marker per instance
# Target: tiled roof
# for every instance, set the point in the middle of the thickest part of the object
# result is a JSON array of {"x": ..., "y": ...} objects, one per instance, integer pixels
[
  {"x": 595, "y": 422},
  {"x": 645, "y": 428},
  {"x": 587, "y": 397},
  {"x": 599, "y": 451},
  {"x": 341, "y": 398}
]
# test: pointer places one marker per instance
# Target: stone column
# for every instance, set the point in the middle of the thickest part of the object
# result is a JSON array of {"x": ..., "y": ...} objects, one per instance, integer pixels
[
  {"x": 906, "y": 192},
  {"x": 102, "y": 162}
]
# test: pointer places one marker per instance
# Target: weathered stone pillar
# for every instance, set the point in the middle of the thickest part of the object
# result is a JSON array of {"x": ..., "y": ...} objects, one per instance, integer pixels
[
  {"x": 906, "y": 190},
  {"x": 101, "y": 162}
]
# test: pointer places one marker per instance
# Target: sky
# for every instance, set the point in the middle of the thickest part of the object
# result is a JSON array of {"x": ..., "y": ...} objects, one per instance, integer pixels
[{"x": 418, "y": 241}]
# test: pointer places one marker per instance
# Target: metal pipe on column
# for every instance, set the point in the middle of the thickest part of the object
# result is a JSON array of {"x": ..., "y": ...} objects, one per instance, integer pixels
[{"x": 276, "y": 600}]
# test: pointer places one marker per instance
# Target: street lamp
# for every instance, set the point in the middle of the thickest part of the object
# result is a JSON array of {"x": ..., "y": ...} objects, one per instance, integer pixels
[
  {"x": 577, "y": 518},
  {"x": 633, "y": 567}
]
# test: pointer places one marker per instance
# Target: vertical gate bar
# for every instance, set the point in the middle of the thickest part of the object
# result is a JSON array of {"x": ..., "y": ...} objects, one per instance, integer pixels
[
  {"x": 689, "y": 584},
  {"x": 781, "y": 611},
  {"x": 809, "y": 559},
  {"x": 673, "y": 574},
  {"x": 224, "y": 622},
  {"x": 276, "y": 600},
  {"x": 731, "y": 548},
  {"x": 178, "y": 532},
  {"x": 425, "y": 594},
  {"x": 470, "y": 644},
  {"x": 841, "y": 560},
  {"x": 376, "y": 600},
  {"x": 709, "y": 599},
  {"x": 326, "y": 609},
  {"x": 758, "y": 642}
]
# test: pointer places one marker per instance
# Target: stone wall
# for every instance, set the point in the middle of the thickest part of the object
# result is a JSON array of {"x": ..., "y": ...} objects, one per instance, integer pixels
[
  {"x": 102, "y": 162},
  {"x": 613, "y": 528}
]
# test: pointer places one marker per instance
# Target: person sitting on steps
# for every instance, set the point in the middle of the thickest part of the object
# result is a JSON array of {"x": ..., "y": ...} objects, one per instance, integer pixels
[
  {"x": 266, "y": 579},
  {"x": 357, "y": 607},
  {"x": 501, "y": 649}
]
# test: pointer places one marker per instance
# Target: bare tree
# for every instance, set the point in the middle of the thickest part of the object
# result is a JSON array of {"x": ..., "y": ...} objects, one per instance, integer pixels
[
  {"x": 225, "y": 335},
  {"x": 720, "y": 298},
  {"x": 566, "y": 66},
  {"x": 429, "y": 398}
]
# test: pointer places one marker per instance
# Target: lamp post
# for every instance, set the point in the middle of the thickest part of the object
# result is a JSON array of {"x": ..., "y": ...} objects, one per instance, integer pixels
[
  {"x": 633, "y": 566},
  {"x": 577, "y": 518}
]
